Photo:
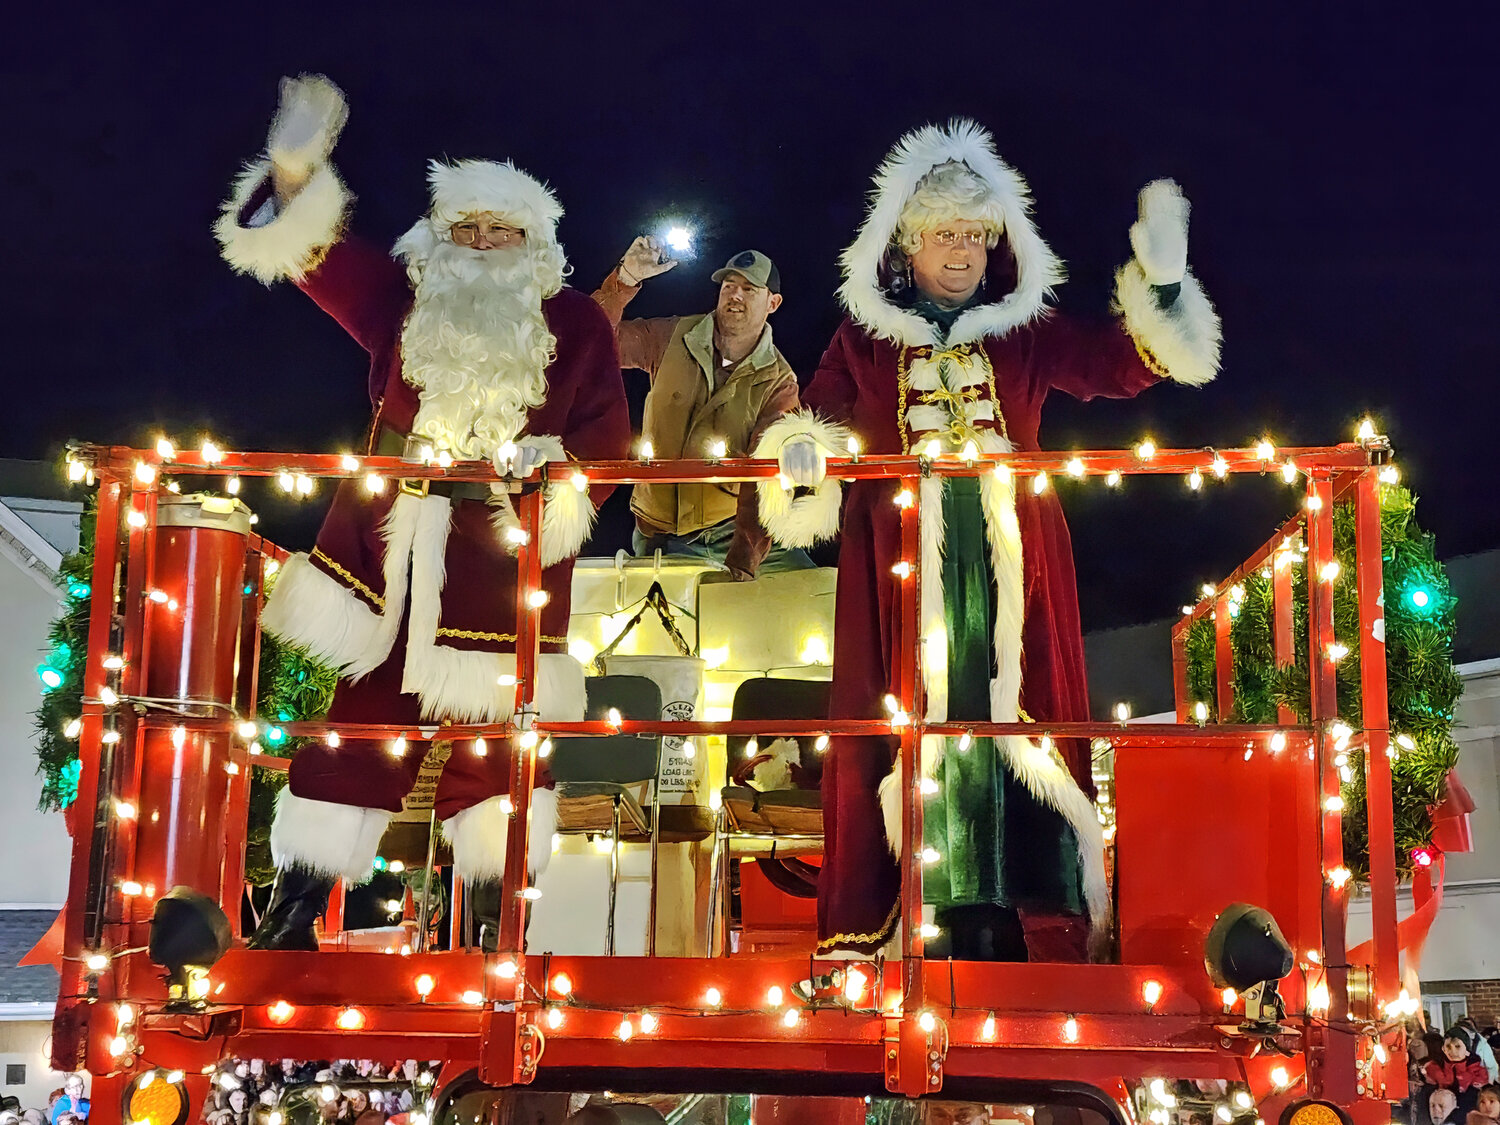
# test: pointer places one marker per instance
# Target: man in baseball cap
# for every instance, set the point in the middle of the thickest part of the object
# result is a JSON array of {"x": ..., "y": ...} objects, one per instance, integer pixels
[{"x": 715, "y": 378}]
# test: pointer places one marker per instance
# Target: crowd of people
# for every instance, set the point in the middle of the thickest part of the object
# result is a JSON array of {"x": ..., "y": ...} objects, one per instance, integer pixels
[
  {"x": 67, "y": 1105},
  {"x": 1455, "y": 1079},
  {"x": 252, "y": 1091}
]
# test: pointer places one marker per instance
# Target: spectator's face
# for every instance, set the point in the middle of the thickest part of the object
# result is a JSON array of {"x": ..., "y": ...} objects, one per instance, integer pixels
[
  {"x": 257, "y": 1067},
  {"x": 955, "y": 1113},
  {"x": 1489, "y": 1104},
  {"x": 1456, "y": 1049},
  {"x": 237, "y": 1101},
  {"x": 744, "y": 306},
  {"x": 73, "y": 1087},
  {"x": 1441, "y": 1104}
]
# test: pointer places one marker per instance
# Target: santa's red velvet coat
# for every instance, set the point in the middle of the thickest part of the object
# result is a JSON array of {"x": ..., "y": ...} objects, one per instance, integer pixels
[{"x": 412, "y": 597}]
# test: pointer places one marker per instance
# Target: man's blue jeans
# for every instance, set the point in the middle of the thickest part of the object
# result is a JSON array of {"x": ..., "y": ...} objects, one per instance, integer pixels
[{"x": 713, "y": 543}]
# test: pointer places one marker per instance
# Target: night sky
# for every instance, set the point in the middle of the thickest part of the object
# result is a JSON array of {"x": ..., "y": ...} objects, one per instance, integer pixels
[{"x": 1342, "y": 170}]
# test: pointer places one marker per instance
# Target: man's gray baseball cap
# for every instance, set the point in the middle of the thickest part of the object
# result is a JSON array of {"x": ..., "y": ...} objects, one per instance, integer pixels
[{"x": 755, "y": 267}]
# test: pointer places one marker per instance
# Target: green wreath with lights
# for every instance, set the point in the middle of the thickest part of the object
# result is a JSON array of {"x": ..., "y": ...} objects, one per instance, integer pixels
[{"x": 1422, "y": 683}]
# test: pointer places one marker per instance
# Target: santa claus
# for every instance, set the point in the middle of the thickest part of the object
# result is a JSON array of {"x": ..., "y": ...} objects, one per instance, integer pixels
[
  {"x": 477, "y": 351},
  {"x": 949, "y": 344}
]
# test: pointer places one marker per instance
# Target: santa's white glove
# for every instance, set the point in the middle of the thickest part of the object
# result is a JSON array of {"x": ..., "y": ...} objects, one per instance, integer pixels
[
  {"x": 307, "y": 124},
  {"x": 517, "y": 459},
  {"x": 802, "y": 462},
  {"x": 1159, "y": 236}
]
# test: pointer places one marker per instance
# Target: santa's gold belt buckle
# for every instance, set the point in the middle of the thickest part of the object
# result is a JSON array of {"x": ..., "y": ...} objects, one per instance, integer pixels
[{"x": 415, "y": 486}]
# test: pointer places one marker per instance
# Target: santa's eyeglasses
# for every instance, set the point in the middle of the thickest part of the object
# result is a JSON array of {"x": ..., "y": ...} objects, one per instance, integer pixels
[
  {"x": 969, "y": 238},
  {"x": 467, "y": 232}
]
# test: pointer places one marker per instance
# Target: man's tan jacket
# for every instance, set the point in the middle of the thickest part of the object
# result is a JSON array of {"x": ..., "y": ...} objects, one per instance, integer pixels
[{"x": 685, "y": 415}]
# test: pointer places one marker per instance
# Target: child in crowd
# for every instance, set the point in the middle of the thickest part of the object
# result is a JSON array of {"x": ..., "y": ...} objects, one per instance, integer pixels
[
  {"x": 1487, "y": 1111},
  {"x": 1459, "y": 1070}
]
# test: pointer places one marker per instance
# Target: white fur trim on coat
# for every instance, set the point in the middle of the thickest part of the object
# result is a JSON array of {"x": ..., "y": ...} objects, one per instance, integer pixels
[
  {"x": 1038, "y": 269},
  {"x": 309, "y": 609},
  {"x": 479, "y": 836},
  {"x": 804, "y": 521},
  {"x": 290, "y": 243},
  {"x": 777, "y": 772},
  {"x": 1044, "y": 776},
  {"x": 1184, "y": 337},
  {"x": 567, "y": 512},
  {"x": 463, "y": 685},
  {"x": 332, "y": 840}
]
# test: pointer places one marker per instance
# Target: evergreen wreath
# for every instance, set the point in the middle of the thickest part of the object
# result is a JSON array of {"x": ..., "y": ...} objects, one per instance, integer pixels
[{"x": 1421, "y": 681}]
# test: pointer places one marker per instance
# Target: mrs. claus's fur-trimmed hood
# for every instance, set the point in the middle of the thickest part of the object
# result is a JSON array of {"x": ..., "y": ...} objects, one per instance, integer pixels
[{"x": 1037, "y": 268}]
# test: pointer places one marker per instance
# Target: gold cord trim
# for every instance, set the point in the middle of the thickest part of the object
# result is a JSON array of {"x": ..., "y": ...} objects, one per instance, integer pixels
[
  {"x": 318, "y": 553},
  {"x": 1148, "y": 358},
  {"x": 503, "y": 638},
  {"x": 864, "y": 939},
  {"x": 959, "y": 430}
]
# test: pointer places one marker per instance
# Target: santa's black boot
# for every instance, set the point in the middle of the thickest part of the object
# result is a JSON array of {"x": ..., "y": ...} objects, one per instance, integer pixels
[
  {"x": 298, "y": 899},
  {"x": 484, "y": 905}
]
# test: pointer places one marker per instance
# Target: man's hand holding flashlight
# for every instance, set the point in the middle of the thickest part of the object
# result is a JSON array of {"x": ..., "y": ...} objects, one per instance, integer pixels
[{"x": 646, "y": 257}]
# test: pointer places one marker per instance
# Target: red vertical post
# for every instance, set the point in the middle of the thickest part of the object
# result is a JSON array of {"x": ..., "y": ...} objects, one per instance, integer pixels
[
  {"x": 522, "y": 759},
  {"x": 1183, "y": 704},
  {"x": 69, "y": 1022},
  {"x": 130, "y": 914},
  {"x": 906, "y": 1044},
  {"x": 1223, "y": 658},
  {"x": 1331, "y": 1062},
  {"x": 1283, "y": 638},
  {"x": 507, "y": 1040},
  {"x": 908, "y": 642},
  {"x": 246, "y": 699},
  {"x": 1375, "y": 719}
]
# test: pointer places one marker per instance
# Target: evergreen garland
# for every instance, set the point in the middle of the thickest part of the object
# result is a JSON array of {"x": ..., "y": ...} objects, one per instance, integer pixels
[
  {"x": 1421, "y": 682},
  {"x": 62, "y": 675}
]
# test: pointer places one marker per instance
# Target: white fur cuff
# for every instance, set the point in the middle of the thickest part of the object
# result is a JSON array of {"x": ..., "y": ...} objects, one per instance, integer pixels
[
  {"x": 1184, "y": 338},
  {"x": 308, "y": 609},
  {"x": 811, "y": 519},
  {"x": 567, "y": 511},
  {"x": 479, "y": 834},
  {"x": 463, "y": 685},
  {"x": 289, "y": 245},
  {"x": 326, "y": 838}
]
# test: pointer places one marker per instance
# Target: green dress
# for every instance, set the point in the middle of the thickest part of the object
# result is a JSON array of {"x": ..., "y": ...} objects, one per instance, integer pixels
[{"x": 998, "y": 844}]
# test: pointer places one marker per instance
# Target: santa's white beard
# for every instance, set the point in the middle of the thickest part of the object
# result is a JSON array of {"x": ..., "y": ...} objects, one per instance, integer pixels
[{"x": 476, "y": 346}]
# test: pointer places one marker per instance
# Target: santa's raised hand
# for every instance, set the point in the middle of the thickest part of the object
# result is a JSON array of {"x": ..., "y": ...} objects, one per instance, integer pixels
[
  {"x": 1159, "y": 236},
  {"x": 309, "y": 118}
]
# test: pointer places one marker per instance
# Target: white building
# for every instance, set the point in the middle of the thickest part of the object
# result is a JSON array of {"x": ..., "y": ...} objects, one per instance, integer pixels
[{"x": 38, "y": 525}]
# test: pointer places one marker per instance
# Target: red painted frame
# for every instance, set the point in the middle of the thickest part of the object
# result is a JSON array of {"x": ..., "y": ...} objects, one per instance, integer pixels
[{"x": 506, "y": 1034}]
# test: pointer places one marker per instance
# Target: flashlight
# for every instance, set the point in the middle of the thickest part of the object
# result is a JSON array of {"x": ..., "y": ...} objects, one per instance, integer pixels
[{"x": 676, "y": 241}]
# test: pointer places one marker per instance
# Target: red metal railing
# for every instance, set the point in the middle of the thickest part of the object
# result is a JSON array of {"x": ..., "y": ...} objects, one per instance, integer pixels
[{"x": 1108, "y": 1031}]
